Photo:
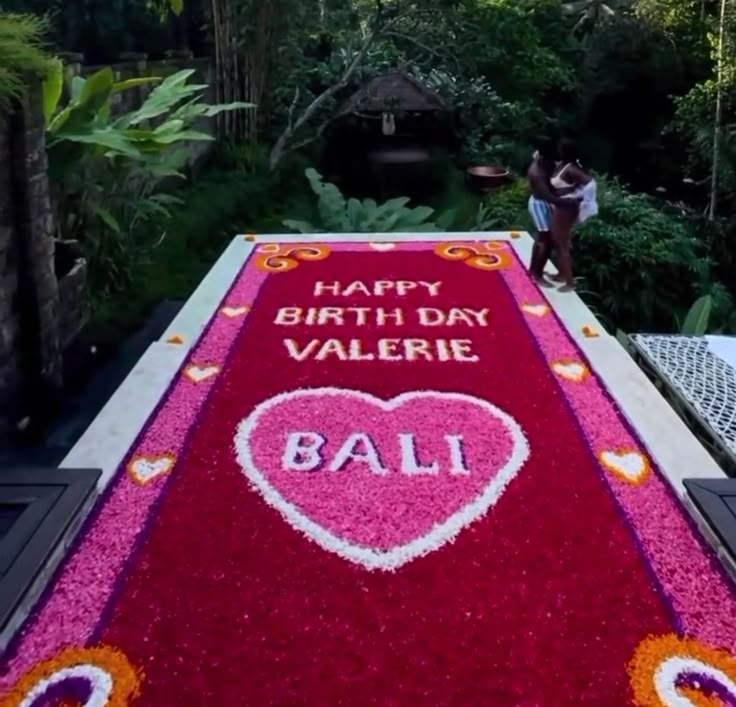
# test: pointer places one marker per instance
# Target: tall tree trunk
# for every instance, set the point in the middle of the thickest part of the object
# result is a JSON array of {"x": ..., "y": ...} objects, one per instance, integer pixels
[{"x": 717, "y": 123}]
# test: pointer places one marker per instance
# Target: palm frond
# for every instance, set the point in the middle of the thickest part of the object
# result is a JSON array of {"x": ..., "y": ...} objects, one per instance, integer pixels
[{"x": 22, "y": 52}]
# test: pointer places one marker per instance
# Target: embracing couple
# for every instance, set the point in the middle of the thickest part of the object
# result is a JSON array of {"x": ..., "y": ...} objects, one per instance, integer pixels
[{"x": 563, "y": 195}]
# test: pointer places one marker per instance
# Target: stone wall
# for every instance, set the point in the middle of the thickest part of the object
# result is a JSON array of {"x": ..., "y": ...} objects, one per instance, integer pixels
[
  {"x": 30, "y": 352},
  {"x": 10, "y": 357}
]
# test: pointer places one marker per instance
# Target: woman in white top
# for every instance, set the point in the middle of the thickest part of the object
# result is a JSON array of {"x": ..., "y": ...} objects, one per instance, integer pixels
[{"x": 570, "y": 179}]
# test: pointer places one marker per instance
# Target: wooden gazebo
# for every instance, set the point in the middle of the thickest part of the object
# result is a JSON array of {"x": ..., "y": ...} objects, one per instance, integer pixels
[{"x": 389, "y": 125}]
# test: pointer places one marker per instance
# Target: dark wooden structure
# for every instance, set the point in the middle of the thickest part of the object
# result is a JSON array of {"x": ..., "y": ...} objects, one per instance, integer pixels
[
  {"x": 41, "y": 511},
  {"x": 383, "y": 139}
]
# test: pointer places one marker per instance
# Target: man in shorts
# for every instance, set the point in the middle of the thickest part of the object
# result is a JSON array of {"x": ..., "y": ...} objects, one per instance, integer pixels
[{"x": 542, "y": 203}]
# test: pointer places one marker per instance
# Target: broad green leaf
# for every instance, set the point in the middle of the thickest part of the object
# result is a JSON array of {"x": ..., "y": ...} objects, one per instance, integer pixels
[
  {"x": 168, "y": 199},
  {"x": 300, "y": 226},
  {"x": 420, "y": 228},
  {"x": 169, "y": 126},
  {"x": 106, "y": 138},
  {"x": 109, "y": 220},
  {"x": 177, "y": 6},
  {"x": 698, "y": 318},
  {"x": 59, "y": 120},
  {"x": 53, "y": 86},
  {"x": 216, "y": 110},
  {"x": 387, "y": 223},
  {"x": 77, "y": 88},
  {"x": 415, "y": 217},
  {"x": 445, "y": 220},
  {"x": 354, "y": 211},
  {"x": 127, "y": 84},
  {"x": 395, "y": 204},
  {"x": 97, "y": 88},
  {"x": 194, "y": 135}
]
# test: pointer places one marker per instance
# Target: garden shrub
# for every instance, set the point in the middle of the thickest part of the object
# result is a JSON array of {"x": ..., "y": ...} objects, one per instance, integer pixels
[{"x": 642, "y": 266}]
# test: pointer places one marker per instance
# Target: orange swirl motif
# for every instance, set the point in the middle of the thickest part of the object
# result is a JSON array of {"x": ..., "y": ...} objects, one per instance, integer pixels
[
  {"x": 492, "y": 255},
  {"x": 282, "y": 258},
  {"x": 112, "y": 680},
  {"x": 671, "y": 669}
]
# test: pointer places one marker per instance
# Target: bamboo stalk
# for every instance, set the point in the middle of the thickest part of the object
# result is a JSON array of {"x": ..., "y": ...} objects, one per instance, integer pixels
[{"x": 718, "y": 117}]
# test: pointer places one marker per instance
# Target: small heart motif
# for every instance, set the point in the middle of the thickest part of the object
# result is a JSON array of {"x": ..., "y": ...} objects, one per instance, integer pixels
[
  {"x": 382, "y": 247},
  {"x": 536, "y": 310},
  {"x": 570, "y": 370},
  {"x": 198, "y": 374},
  {"x": 515, "y": 234},
  {"x": 176, "y": 339},
  {"x": 590, "y": 332},
  {"x": 631, "y": 466},
  {"x": 234, "y": 312},
  {"x": 147, "y": 468}
]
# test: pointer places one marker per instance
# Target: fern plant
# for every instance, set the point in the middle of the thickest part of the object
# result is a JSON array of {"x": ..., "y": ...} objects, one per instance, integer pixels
[
  {"x": 341, "y": 215},
  {"x": 21, "y": 52}
]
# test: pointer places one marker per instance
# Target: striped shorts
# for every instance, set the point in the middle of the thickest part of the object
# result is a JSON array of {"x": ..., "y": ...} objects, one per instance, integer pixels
[{"x": 541, "y": 213}]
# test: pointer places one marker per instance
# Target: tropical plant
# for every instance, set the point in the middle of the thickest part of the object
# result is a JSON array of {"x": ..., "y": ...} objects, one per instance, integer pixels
[
  {"x": 21, "y": 52},
  {"x": 88, "y": 124},
  {"x": 108, "y": 171},
  {"x": 340, "y": 215},
  {"x": 698, "y": 317}
]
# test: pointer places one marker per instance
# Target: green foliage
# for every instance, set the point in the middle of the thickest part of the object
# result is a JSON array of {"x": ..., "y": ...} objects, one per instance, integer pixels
[
  {"x": 502, "y": 42},
  {"x": 641, "y": 261},
  {"x": 221, "y": 203},
  {"x": 506, "y": 209},
  {"x": 21, "y": 52},
  {"x": 492, "y": 130},
  {"x": 640, "y": 264},
  {"x": 340, "y": 215},
  {"x": 698, "y": 317},
  {"x": 87, "y": 121},
  {"x": 108, "y": 171}
]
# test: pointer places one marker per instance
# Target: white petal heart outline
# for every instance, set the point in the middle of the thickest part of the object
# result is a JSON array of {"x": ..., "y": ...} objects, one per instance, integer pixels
[{"x": 372, "y": 558}]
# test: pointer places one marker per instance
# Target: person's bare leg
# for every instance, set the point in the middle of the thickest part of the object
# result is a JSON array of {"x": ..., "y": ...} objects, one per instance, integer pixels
[
  {"x": 540, "y": 254},
  {"x": 562, "y": 225}
]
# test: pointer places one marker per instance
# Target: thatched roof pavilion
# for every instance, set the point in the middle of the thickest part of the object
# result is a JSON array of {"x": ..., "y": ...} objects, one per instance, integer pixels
[{"x": 394, "y": 92}]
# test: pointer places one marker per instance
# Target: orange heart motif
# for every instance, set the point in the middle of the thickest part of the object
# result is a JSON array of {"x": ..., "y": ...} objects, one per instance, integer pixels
[
  {"x": 571, "y": 370},
  {"x": 145, "y": 469},
  {"x": 234, "y": 312},
  {"x": 176, "y": 339},
  {"x": 199, "y": 373},
  {"x": 590, "y": 332},
  {"x": 629, "y": 465},
  {"x": 536, "y": 310}
]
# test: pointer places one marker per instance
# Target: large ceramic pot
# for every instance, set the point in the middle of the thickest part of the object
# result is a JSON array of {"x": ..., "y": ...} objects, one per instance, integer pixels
[{"x": 484, "y": 178}]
